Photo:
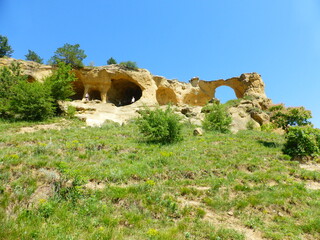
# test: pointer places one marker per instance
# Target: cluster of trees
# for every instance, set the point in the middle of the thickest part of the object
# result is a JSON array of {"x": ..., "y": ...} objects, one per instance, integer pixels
[{"x": 68, "y": 53}]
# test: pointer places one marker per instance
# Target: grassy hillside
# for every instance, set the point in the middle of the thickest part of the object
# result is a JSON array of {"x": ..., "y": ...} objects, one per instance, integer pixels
[{"x": 104, "y": 183}]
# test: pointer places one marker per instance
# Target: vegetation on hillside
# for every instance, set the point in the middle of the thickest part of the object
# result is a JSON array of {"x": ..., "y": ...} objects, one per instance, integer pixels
[
  {"x": 129, "y": 65},
  {"x": 216, "y": 118},
  {"x": 35, "y": 101},
  {"x": 104, "y": 183},
  {"x": 159, "y": 126}
]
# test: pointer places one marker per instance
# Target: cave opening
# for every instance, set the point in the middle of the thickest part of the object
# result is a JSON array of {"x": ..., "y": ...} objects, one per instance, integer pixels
[
  {"x": 78, "y": 89},
  {"x": 123, "y": 92},
  {"x": 94, "y": 94}
]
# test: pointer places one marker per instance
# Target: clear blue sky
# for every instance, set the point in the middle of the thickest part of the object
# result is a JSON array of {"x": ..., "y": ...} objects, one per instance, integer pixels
[{"x": 181, "y": 39}]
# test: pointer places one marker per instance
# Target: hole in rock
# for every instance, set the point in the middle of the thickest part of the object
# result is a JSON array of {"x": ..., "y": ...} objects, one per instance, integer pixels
[
  {"x": 30, "y": 79},
  {"x": 224, "y": 94},
  {"x": 166, "y": 96},
  {"x": 94, "y": 94},
  {"x": 78, "y": 89},
  {"x": 123, "y": 92}
]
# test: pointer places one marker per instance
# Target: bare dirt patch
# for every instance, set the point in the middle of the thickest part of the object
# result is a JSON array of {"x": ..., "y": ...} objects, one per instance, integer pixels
[
  {"x": 52, "y": 126},
  {"x": 313, "y": 185},
  {"x": 311, "y": 167},
  {"x": 223, "y": 220},
  {"x": 95, "y": 185}
]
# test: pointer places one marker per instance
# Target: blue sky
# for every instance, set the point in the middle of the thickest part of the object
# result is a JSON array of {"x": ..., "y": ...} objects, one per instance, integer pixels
[{"x": 180, "y": 39}]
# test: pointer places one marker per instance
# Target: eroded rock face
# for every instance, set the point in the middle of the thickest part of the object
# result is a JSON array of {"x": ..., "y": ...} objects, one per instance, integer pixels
[
  {"x": 34, "y": 71},
  {"x": 121, "y": 87}
]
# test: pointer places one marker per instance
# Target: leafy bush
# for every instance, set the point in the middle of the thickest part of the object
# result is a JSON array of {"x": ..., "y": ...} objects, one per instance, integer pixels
[
  {"x": 216, "y": 118},
  {"x": 69, "y": 54},
  {"x": 111, "y": 61},
  {"x": 33, "y": 56},
  {"x": 70, "y": 112},
  {"x": 302, "y": 141},
  {"x": 129, "y": 65},
  {"x": 160, "y": 126},
  {"x": 60, "y": 82},
  {"x": 9, "y": 77},
  {"x": 268, "y": 127},
  {"x": 5, "y": 48},
  {"x": 292, "y": 116},
  {"x": 31, "y": 101}
]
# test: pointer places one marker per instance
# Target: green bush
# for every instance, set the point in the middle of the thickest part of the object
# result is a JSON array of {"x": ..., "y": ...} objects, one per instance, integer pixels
[
  {"x": 268, "y": 127},
  {"x": 160, "y": 126},
  {"x": 129, "y": 65},
  {"x": 216, "y": 118},
  {"x": 292, "y": 116},
  {"x": 302, "y": 142},
  {"x": 9, "y": 77},
  {"x": 60, "y": 82},
  {"x": 31, "y": 101}
]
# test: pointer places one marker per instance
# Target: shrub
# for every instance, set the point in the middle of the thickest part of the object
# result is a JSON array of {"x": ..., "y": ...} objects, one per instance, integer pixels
[
  {"x": 292, "y": 116},
  {"x": 268, "y": 127},
  {"x": 70, "y": 112},
  {"x": 111, "y": 61},
  {"x": 160, "y": 126},
  {"x": 31, "y": 101},
  {"x": 129, "y": 65},
  {"x": 69, "y": 54},
  {"x": 217, "y": 118},
  {"x": 9, "y": 77},
  {"x": 302, "y": 142},
  {"x": 60, "y": 82},
  {"x": 33, "y": 56},
  {"x": 5, "y": 48}
]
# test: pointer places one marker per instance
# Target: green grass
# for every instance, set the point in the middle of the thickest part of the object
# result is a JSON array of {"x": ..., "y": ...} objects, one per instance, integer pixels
[{"x": 147, "y": 190}]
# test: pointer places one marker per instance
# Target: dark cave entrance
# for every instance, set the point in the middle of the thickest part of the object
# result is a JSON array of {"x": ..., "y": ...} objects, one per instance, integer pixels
[
  {"x": 123, "y": 92},
  {"x": 78, "y": 89},
  {"x": 94, "y": 94}
]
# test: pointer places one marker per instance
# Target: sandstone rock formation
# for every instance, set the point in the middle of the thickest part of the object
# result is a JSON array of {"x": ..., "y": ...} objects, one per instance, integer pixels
[
  {"x": 120, "y": 87},
  {"x": 34, "y": 71}
]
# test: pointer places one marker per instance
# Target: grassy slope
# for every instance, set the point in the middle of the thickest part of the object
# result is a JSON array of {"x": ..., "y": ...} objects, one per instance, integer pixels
[{"x": 211, "y": 187}]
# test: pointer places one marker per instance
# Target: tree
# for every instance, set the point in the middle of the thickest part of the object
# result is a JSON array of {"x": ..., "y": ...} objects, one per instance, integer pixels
[
  {"x": 69, "y": 54},
  {"x": 5, "y": 48},
  {"x": 60, "y": 82},
  {"x": 32, "y": 56},
  {"x": 292, "y": 116},
  {"x": 9, "y": 77},
  {"x": 111, "y": 61}
]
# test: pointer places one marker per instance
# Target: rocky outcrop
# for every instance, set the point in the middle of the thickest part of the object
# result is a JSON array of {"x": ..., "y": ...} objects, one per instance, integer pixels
[
  {"x": 34, "y": 71},
  {"x": 121, "y": 86}
]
